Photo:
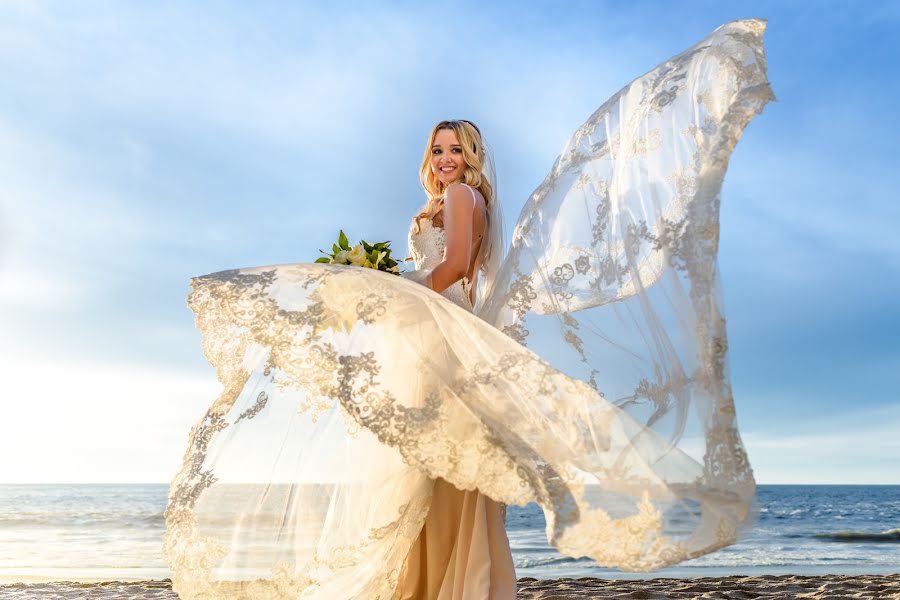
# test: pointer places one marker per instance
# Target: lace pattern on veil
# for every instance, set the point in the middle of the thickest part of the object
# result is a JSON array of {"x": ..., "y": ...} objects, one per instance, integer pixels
[{"x": 346, "y": 389}]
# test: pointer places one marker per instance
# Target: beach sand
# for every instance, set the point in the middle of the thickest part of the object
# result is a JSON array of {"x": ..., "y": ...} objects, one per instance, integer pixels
[{"x": 821, "y": 587}]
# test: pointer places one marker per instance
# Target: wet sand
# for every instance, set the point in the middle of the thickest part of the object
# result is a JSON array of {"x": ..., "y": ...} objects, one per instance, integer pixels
[{"x": 819, "y": 587}]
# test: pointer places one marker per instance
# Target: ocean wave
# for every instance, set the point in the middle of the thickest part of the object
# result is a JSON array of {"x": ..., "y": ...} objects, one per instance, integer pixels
[
  {"x": 81, "y": 519},
  {"x": 891, "y": 535},
  {"x": 527, "y": 562}
]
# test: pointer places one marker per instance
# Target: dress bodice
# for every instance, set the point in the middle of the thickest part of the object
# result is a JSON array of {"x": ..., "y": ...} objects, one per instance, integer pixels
[{"x": 427, "y": 250}]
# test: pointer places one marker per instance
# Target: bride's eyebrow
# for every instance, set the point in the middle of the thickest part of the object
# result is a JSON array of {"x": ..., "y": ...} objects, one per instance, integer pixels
[{"x": 451, "y": 145}]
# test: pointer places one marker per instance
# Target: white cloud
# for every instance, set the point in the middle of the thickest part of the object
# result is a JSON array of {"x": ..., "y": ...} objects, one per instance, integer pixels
[
  {"x": 27, "y": 285},
  {"x": 60, "y": 232},
  {"x": 861, "y": 446},
  {"x": 855, "y": 447},
  {"x": 97, "y": 422}
]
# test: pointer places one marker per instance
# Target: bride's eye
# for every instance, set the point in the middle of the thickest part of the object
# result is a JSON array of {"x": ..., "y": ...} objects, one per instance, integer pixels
[{"x": 436, "y": 151}]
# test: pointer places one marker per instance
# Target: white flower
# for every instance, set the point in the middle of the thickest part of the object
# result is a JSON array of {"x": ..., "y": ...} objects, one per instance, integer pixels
[
  {"x": 342, "y": 257},
  {"x": 357, "y": 255}
]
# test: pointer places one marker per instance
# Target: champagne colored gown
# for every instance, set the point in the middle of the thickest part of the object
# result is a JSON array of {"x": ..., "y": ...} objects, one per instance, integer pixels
[{"x": 360, "y": 410}]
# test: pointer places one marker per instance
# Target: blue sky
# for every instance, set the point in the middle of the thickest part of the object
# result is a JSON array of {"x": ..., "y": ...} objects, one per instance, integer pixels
[{"x": 144, "y": 144}]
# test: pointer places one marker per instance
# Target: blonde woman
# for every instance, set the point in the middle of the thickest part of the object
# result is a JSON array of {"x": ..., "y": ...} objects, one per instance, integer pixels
[{"x": 462, "y": 550}]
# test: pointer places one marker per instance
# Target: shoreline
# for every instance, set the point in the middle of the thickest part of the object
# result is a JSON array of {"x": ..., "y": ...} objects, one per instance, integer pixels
[
  {"x": 162, "y": 574},
  {"x": 529, "y": 588}
]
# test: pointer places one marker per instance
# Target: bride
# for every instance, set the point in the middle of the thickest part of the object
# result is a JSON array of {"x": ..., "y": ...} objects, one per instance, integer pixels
[
  {"x": 462, "y": 550},
  {"x": 372, "y": 428}
]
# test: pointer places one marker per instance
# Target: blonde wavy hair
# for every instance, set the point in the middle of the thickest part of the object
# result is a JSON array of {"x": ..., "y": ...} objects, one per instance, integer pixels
[{"x": 469, "y": 137}]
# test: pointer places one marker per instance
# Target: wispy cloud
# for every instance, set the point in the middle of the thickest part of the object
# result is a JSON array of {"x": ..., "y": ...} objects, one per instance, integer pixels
[
  {"x": 110, "y": 422},
  {"x": 858, "y": 457},
  {"x": 140, "y": 146},
  {"x": 849, "y": 446}
]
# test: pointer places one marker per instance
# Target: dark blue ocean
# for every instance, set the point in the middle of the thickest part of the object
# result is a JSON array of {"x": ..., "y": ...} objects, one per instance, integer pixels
[{"x": 71, "y": 532}]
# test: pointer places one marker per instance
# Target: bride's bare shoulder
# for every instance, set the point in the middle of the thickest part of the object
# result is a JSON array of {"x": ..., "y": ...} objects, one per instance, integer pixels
[{"x": 461, "y": 193}]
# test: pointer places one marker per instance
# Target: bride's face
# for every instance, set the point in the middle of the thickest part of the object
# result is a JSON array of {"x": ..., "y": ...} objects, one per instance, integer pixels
[{"x": 447, "y": 162}]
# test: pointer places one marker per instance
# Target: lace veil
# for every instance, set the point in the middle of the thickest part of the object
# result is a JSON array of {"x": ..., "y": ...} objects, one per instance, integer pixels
[
  {"x": 592, "y": 378},
  {"x": 612, "y": 268},
  {"x": 492, "y": 253}
]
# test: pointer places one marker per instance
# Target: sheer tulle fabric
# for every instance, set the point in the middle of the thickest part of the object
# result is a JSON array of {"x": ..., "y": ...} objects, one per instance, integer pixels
[{"x": 347, "y": 391}]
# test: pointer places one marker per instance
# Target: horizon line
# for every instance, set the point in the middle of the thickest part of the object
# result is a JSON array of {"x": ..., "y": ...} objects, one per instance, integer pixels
[{"x": 292, "y": 483}]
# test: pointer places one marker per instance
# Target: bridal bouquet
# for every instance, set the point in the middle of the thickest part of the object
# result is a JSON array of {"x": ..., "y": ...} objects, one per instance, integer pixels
[
  {"x": 372, "y": 256},
  {"x": 342, "y": 315}
]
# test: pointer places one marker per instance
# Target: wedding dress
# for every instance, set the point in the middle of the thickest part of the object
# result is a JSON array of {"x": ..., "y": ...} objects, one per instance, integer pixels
[
  {"x": 461, "y": 552},
  {"x": 590, "y": 379}
]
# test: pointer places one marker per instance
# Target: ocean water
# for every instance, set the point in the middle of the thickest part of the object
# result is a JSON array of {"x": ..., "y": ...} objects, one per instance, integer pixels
[
  {"x": 801, "y": 530},
  {"x": 71, "y": 532}
]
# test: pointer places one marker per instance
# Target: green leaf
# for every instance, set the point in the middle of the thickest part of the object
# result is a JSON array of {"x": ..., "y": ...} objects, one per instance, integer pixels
[
  {"x": 342, "y": 240},
  {"x": 335, "y": 248},
  {"x": 323, "y": 259}
]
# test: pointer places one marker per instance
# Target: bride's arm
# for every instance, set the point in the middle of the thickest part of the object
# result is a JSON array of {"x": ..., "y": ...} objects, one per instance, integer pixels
[{"x": 458, "y": 209}]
